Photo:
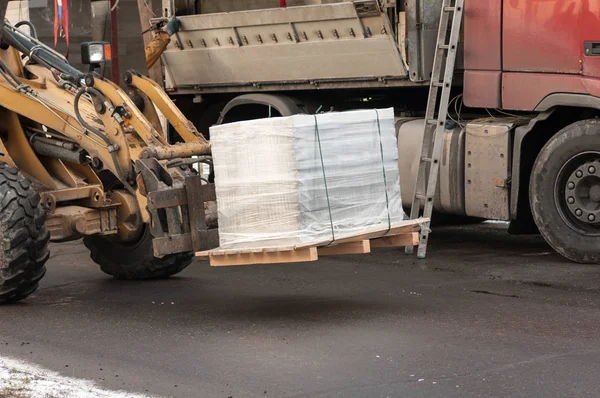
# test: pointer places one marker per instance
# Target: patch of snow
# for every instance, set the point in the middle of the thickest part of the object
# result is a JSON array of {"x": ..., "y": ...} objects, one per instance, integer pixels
[{"x": 21, "y": 379}]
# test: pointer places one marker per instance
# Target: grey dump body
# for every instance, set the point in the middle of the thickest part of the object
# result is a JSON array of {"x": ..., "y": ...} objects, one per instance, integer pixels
[{"x": 342, "y": 45}]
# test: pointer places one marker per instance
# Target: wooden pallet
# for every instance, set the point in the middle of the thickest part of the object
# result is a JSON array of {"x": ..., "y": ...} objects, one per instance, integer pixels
[{"x": 400, "y": 236}]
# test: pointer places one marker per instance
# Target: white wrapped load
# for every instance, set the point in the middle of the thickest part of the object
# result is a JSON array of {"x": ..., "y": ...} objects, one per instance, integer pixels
[{"x": 306, "y": 179}]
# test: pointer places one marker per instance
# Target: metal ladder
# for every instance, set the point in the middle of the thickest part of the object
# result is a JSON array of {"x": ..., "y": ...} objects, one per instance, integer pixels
[{"x": 435, "y": 118}]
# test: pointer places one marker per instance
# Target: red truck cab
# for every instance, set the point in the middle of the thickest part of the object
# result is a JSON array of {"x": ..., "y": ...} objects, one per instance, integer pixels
[{"x": 523, "y": 54}]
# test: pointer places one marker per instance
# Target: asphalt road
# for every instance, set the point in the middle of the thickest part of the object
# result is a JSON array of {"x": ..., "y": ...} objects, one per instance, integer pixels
[{"x": 486, "y": 314}]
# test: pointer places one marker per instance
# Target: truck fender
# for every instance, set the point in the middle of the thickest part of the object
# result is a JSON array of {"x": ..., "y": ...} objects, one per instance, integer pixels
[
  {"x": 568, "y": 99},
  {"x": 529, "y": 140},
  {"x": 520, "y": 134},
  {"x": 284, "y": 105}
]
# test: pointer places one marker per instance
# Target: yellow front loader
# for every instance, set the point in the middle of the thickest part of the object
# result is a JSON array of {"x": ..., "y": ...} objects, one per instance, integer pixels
[{"x": 82, "y": 158}]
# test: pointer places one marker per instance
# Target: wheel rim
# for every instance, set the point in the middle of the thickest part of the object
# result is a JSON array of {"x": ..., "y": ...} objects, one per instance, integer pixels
[{"x": 577, "y": 193}]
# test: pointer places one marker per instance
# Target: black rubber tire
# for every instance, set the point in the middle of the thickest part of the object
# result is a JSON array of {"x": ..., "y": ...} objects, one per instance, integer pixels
[
  {"x": 578, "y": 138},
  {"x": 134, "y": 261},
  {"x": 23, "y": 237}
]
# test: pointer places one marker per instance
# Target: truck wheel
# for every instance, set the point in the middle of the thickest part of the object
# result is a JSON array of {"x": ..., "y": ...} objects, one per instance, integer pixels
[
  {"x": 134, "y": 260},
  {"x": 565, "y": 192},
  {"x": 23, "y": 236}
]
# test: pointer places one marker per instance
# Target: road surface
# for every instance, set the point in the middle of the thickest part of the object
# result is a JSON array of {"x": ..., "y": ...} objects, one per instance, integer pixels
[{"x": 486, "y": 314}]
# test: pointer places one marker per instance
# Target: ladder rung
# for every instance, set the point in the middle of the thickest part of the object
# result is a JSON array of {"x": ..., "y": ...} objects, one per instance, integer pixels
[
  {"x": 421, "y": 197},
  {"x": 424, "y": 159},
  {"x": 438, "y": 84},
  {"x": 443, "y": 46},
  {"x": 432, "y": 121},
  {"x": 449, "y": 9}
]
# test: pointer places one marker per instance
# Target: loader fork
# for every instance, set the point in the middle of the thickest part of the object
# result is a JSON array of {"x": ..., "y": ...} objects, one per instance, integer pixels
[{"x": 177, "y": 209}]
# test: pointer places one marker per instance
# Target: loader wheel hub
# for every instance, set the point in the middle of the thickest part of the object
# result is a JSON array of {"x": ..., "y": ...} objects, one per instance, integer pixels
[
  {"x": 582, "y": 193},
  {"x": 129, "y": 219}
]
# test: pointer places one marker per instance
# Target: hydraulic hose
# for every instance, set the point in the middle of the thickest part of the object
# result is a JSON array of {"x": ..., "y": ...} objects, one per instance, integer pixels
[
  {"x": 80, "y": 119},
  {"x": 7, "y": 78},
  {"x": 31, "y": 27},
  {"x": 9, "y": 75}
]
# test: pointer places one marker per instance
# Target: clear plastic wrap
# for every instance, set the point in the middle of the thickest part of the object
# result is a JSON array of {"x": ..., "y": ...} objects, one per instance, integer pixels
[{"x": 306, "y": 179}]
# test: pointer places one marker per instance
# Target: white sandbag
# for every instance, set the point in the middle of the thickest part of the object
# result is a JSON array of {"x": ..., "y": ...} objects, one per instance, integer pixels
[{"x": 306, "y": 179}]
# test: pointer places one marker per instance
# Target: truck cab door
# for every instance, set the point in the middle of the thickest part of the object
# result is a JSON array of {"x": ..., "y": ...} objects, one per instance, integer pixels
[{"x": 590, "y": 37}]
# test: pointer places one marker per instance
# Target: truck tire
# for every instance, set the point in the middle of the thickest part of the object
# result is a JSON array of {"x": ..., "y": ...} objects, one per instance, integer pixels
[
  {"x": 564, "y": 192},
  {"x": 135, "y": 260},
  {"x": 23, "y": 236}
]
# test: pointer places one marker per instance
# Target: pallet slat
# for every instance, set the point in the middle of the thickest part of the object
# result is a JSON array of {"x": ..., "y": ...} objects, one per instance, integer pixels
[
  {"x": 275, "y": 257},
  {"x": 402, "y": 240},
  {"x": 360, "y": 247}
]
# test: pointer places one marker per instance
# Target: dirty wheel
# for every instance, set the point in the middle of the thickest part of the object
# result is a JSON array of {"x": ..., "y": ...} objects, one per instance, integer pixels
[
  {"x": 23, "y": 236},
  {"x": 565, "y": 192},
  {"x": 134, "y": 260}
]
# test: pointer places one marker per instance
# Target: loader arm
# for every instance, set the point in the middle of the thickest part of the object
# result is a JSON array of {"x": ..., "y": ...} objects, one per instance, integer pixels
[
  {"x": 102, "y": 164},
  {"x": 155, "y": 93}
]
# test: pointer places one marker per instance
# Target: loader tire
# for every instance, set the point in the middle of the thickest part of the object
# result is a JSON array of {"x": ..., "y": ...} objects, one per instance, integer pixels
[
  {"x": 565, "y": 192},
  {"x": 23, "y": 237},
  {"x": 135, "y": 260}
]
